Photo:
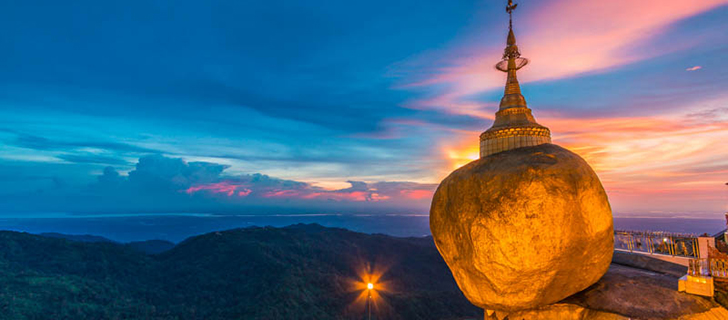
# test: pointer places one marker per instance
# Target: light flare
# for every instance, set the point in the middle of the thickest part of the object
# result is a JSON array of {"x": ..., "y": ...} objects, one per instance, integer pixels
[{"x": 370, "y": 283}]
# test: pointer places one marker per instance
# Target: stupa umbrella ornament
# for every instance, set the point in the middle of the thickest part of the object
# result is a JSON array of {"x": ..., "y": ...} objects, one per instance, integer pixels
[{"x": 527, "y": 224}]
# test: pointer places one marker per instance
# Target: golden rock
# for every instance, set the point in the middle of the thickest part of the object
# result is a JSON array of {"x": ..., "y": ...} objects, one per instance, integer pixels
[
  {"x": 523, "y": 228},
  {"x": 528, "y": 224}
]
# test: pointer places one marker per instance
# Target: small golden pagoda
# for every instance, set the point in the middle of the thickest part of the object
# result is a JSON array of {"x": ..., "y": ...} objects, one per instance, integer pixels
[{"x": 514, "y": 125}]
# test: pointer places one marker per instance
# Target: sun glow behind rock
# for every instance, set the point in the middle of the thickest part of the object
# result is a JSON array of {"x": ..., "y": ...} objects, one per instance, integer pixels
[
  {"x": 663, "y": 157},
  {"x": 462, "y": 156}
]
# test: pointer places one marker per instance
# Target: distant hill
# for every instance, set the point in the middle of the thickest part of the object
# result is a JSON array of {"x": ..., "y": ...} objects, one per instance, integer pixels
[
  {"x": 147, "y": 246},
  {"x": 51, "y": 278},
  {"x": 297, "y": 272},
  {"x": 76, "y": 237},
  {"x": 151, "y": 246}
]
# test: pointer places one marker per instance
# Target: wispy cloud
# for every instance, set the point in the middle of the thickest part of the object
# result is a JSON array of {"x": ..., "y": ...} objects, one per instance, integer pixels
[
  {"x": 562, "y": 38},
  {"x": 653, "y": 141}
]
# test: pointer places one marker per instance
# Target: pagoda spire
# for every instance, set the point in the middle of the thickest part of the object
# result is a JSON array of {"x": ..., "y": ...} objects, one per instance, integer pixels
[
  {"x": 513, "y": 61},
  {"x": 514, "y": 125}
]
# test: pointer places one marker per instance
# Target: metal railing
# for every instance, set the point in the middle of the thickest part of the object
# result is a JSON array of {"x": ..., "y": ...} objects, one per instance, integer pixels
[
  {"x": 660, "y": 242},
  {"x": 714, "y": 267},
  {"x": 699, "y": 267}
]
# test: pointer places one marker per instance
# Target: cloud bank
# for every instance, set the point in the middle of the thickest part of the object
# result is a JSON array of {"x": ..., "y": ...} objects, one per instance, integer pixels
[{"x": 161, "y": 184}]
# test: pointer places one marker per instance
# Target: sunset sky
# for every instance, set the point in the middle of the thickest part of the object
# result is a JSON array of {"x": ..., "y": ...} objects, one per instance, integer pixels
[{"x": 339, "y": 106}]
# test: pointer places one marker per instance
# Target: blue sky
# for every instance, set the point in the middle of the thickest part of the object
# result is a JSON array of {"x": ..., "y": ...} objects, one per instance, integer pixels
[{"x": 230, "y": 106}]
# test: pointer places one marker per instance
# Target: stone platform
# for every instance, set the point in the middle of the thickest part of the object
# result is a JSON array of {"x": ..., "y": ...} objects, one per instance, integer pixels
[{"x": 629, "y": 292}]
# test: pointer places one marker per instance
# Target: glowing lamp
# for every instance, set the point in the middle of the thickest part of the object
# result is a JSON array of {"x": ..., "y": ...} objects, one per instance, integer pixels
[{"x": 370, "y": 286}]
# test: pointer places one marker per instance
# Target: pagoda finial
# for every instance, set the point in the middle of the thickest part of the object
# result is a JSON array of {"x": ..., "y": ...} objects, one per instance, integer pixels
[
  {"x": 509, "y": 8},
  {"x": 511, "y": 50}
]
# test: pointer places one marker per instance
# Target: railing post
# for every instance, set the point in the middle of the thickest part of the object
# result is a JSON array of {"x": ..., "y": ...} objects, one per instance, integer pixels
[
  {"x": 704, "y": 243},
  {"x": 695, "y": 249},
  {"x": 630, "y": 245},
  {"x": 649, "y": 244}
]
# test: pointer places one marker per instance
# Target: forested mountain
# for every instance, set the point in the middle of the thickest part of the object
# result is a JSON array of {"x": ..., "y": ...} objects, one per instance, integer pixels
[
  {"x": 151, "y": 246},
  {"x": 146, "y": 246},
  {"x": 75, "y": 237},
  {"x": 296, "y": 272}
]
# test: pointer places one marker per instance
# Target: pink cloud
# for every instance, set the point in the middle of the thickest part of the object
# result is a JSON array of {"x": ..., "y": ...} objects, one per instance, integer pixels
[
  {"x": 356, "y": 196},
  {"x": 571, "y": 36},
  {"x": 562, "y": 38},
  {"x": 220, "y": 187},
  {"x": 378, "y": 197},
  {"x": 282, "y": 194},
  {"x": 694, "y": 68},
  {"x": 342, "y": 196},
  {"x": 417, "y": 194},
  {"x": 358, "y": 191}
]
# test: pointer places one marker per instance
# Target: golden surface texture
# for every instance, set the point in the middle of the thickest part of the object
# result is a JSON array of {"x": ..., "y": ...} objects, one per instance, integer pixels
[{"x": 523, "y": 228}]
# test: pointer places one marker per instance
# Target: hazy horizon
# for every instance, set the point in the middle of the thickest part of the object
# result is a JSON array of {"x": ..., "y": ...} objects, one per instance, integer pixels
[{"x": 177, "y": 227}]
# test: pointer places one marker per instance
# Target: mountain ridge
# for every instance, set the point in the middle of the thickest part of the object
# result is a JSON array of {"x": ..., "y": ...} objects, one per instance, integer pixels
[
  {"x": 153, "y": 246},
  {"x": 295, "y": 272}
]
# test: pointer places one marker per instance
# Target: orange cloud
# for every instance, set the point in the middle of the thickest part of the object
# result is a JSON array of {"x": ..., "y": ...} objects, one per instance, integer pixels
[{"x": 645, "y": 163}]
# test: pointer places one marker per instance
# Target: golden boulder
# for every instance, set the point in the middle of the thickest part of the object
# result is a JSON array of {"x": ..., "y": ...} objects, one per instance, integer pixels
[{"x": 523, "y": 228}]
